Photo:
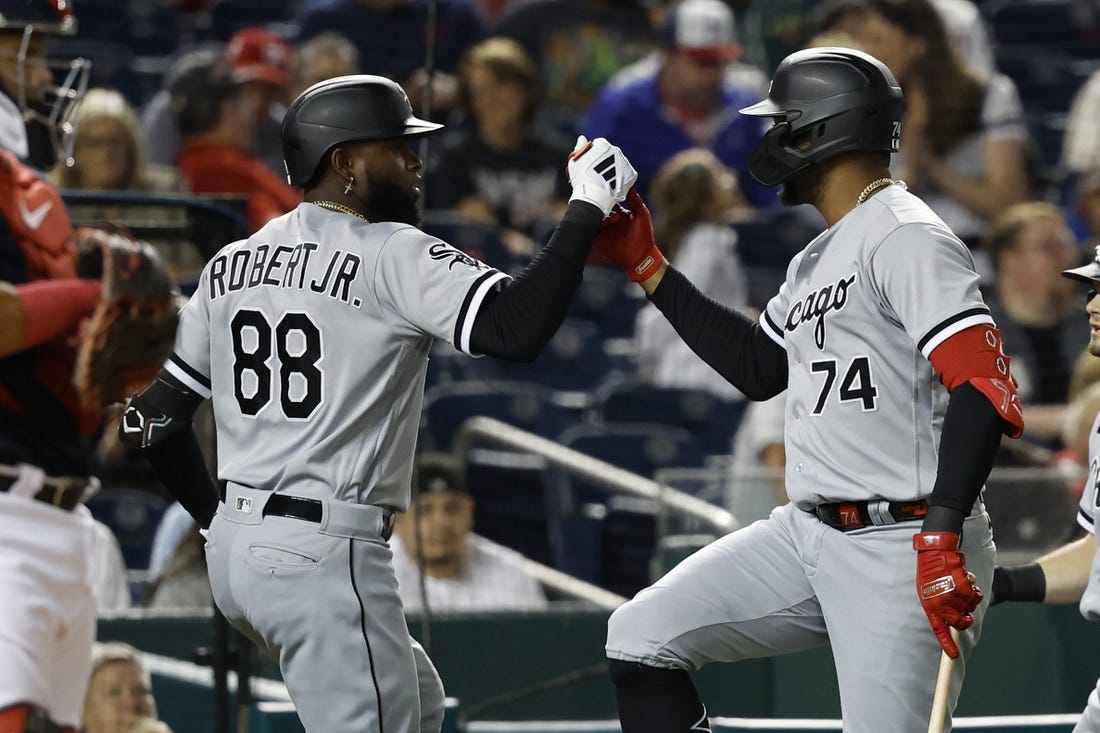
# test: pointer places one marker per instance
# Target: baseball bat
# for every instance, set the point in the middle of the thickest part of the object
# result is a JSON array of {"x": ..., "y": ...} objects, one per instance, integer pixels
[{"x": 937, "y": 721}]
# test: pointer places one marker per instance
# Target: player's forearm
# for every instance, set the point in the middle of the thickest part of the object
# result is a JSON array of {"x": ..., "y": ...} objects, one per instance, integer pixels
[
  {"x": 1057, "y": 578},
  {"x": 968, "y": 446},
  {"x": 1067, "y": 570},
  {"x": 517, "y": 322},
  {"x": 158, "y": 421},
  {"x": 35, "y": 313},
  {"x": 730, "y": 342},
  {"x": 178, "y": 462}
]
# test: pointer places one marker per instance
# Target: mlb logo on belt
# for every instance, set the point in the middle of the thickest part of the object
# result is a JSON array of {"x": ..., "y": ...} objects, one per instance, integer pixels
[{"x": 244, "y": 504}]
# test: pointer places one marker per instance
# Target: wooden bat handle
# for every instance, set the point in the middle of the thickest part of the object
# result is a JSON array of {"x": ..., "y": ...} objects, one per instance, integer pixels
[{"x": 937, "y": 721}]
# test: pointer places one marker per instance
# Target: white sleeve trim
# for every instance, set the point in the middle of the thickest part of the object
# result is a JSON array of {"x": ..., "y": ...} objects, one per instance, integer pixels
[
  {"x": 1086, "y": 521},
  {"x": 773, "y": 334},
  {"x": 954, "y": 328},
  {"x": 187, "y": 379},
  {"x": 470, "y": 315}
]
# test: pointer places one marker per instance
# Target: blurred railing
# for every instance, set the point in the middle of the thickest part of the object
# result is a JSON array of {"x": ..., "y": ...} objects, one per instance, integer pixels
[{"x": 485, "y": 429}]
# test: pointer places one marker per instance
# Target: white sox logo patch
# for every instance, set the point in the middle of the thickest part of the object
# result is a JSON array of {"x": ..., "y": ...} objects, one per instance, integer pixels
[
  {"x": 444, "y": 252},
  {"x": 832, "y": 297}
]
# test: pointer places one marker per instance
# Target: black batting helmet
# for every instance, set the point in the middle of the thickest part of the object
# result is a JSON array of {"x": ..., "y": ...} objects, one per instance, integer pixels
[
  {"x": 825, "y": 101},
  {"x": 340, "y": 110}
]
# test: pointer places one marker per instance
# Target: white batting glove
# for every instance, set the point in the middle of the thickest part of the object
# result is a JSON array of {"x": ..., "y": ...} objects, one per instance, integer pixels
[{"x": 599, "y": 173}]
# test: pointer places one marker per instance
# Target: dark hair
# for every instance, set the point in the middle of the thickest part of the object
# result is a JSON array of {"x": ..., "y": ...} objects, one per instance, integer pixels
[
  {"x": 198, "y": 88},
  {"x": 955, "y": 93}
]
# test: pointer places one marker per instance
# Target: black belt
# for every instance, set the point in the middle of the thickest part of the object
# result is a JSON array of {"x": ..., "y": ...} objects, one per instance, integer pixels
[
  {"x": 308, "y": 510},
  {"x": 63, "y": 494},
  {"x": 849, "y": 515}
]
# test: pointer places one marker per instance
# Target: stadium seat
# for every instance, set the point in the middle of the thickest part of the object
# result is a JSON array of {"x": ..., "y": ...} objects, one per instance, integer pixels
[
  {"x": 640, "y": 448},
  {"x": 712, "y": 421},
  {"x": 133, "y": 516},
  {"x": 629, "y": 544},
  {"x": 576, "y": 360},
  {"x": 607, "y": 299},
  {"x": 510, "y": 492},
  {"x": 526, "y": 406},
  {"x": 766, "y": 245},
  {"x": 146, "y": 27},
  {"x": 229, "y": 16},
  {"x": 1054, "y": 24}
]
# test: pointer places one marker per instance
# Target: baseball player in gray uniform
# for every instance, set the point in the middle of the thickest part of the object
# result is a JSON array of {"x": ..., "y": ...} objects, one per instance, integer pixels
[
  {"x": 1070, "y": 573},
  {"x": 897, "y": 396},
  {"x": 311, "y": 338}
]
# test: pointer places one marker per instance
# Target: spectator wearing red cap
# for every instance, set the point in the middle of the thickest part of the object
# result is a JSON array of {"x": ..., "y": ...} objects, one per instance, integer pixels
[
  {"x": 219, "y": 108},
  {"x": 256, "y": 59},
  {"x": 687, "y": 101}
]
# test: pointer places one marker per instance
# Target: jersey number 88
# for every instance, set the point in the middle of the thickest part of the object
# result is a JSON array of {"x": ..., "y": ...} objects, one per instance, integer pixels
[{"x": 297, "y": 343}]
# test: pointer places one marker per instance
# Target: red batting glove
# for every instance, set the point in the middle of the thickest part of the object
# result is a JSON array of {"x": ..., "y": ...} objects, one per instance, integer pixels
[
  {"x": 945, "y": 588},
  {"x": 626, "y": 239}
]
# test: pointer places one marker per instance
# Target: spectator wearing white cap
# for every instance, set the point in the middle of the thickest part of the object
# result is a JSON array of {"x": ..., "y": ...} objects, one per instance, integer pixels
[{"x": 688, "y": 101}]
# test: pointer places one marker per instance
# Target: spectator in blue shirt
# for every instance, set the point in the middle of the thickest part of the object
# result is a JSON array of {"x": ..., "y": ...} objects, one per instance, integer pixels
[{"x": 686, "y": 102}]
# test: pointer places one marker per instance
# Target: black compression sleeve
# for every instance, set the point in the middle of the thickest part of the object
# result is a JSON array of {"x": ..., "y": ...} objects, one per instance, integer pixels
[
  {"x": 158, "y": 420},
  {"x": 515, "y": 323},
  {"x": 971, "y": 434},
  {"x": 178, "y": 463},
  {"x": 731, "y": 343}
]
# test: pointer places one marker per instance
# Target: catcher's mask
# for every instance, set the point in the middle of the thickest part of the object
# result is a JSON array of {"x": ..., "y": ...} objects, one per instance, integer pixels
[
  {"x": 341, "y": 110},
  {"x": 825, "y": 101},
  {"x": 55, "y": 103}
]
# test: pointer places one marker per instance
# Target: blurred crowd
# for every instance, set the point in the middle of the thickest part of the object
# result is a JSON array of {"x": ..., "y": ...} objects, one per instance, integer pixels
[{"x": 1004, "y": 155}]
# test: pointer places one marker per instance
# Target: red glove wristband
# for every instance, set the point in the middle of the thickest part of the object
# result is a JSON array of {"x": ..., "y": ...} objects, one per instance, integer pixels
[{"x": 647, "y": 266}]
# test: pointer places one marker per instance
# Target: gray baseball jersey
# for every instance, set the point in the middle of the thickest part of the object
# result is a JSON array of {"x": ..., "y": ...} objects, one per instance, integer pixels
[
  {"x": 1090, "y": 599},
  {"x": 1086, "y": 517},
  {"x": 312, "y": 338},
  {"x": 862, "y": 308}
]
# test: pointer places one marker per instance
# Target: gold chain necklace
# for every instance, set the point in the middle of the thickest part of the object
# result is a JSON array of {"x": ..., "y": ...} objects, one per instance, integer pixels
[
  {"x": 872, "y": 187},
  {"x": 333, "y": 206}
]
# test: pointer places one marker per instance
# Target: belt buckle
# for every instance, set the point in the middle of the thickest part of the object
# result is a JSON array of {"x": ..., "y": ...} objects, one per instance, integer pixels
[{"x": 849, "y": 516}]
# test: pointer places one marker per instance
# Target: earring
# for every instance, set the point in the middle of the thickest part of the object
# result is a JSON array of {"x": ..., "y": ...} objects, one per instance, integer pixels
[{"x": 347, "y": 188}]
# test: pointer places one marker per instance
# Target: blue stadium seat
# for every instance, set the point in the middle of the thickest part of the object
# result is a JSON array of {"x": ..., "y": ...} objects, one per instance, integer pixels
[
  {"x": 576, "y": 360},
  {"x": 630, "y": 532},
  {"x": 766, "y": 245},
  {"x": 712, "y": 421},
  {"x": 112, "y": 64},
  {"x": 527, "y": 406},
  {"x": 1054, "y": 24},
  {"x": 607, "y": 299},
  {"x": 229, "y": 16},
  {"x": 133, "y": 516},
  {"x": 1046, "y": 78},
  {"x": 510, "y": 495},
  {"x": 640, "y": 448},
  {"x": 146, "y": 27}
]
